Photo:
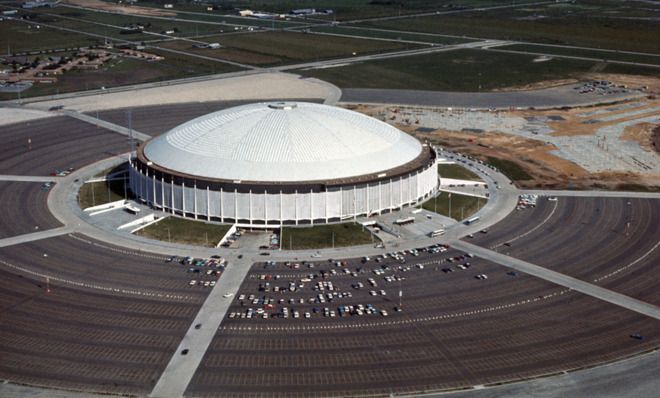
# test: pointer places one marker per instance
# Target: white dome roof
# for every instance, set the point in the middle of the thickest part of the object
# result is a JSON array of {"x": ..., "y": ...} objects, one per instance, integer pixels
[{"x": 282, "y": 142}]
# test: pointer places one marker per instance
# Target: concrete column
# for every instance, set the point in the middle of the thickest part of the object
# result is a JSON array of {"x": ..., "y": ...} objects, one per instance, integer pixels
[
  {"x": 195, "y": 199},
  {"x": 295, "y": 198},
  {"x": 401, "y": 192},
  {"x": 326, "y": 205},
  {"x": 172, "y": 194},
  {"x": 265, "y": 207},
  {"x": 391, "y": 195},
  {"x": 311, "y": 206},
  {"x": 250, "y": 204},
  {"x": 380, "y": 199},
  {"x": 162, "y": 192},
  {"x": 354, "y": 202},
  {"x": 235, "y": 205},
  {"x": 183, "y": 198},
  {"x": 281, "y": 208},
  {"x": 222, "y": 209},
  {"x": 341, "y": 204},
  {"x": 208, "y": 203},
  {"x": 153, "y": 182},
  {"x": 367, "y": 199}
]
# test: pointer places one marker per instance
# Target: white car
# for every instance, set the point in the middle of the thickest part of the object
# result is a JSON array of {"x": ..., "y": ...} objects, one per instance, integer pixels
[{"x": 227, "y": 295}]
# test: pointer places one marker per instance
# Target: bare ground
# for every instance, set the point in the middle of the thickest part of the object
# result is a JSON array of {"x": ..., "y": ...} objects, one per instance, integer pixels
[{"x": 120, "y": 8}]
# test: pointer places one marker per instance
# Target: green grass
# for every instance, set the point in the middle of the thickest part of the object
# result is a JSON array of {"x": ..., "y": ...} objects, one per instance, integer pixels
[
  {"x": 588, "y": 23},
  {"x": 98, "y": 193},
  {"x": 289, "y": 47},
  {"x": 601, "y": 55},
  {"x": 320, "y": 236},
  {"x": 124, "y": 71},
  {"x": 510, "y": 169},
  {"x": 461, "y": 70},
  {"x": 392, "y": 35},
  {"x": 190, "y": 232},
  {"x": 21, "y": 37},
  {"x": 462, "y": 206},
  {"x": 456, "y": 171}
]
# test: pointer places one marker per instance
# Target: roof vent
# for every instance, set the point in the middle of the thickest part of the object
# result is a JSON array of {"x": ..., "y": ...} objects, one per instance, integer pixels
[{"x": 287, "y": 106}]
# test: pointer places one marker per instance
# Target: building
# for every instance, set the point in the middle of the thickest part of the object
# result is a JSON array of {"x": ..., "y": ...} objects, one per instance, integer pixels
[{"x": 283, "y": 163}]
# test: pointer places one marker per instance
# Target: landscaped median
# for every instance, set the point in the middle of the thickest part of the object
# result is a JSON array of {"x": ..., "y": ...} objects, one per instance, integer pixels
[
  {"x": 454, "y": 205},
  {"x": 325, "y": 236},
  {"x": 190, "y": 232}
]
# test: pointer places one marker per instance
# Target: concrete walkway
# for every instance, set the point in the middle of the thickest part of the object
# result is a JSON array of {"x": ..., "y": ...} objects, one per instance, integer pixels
[
  {"x": 107, "y": 125},
  {"x": 561, "y": 280},
  {"x": 594, "y": 194},
  {"x": 50, "y": 233},
  {"x": 181, "y": 368},
  {"x": 6, "y": 177}
]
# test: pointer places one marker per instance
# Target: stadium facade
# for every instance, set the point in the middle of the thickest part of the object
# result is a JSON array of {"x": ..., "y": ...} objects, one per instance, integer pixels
[{"x": 283, "y": 163}]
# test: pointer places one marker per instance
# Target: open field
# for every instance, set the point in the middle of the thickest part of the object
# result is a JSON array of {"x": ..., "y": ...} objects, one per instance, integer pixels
[
  {"x": 385, "y": 34},
  {"x": 574, "y": 52},
  {"x": 456, "y": 171},
  {"x": 19, "y": 37},
  {"x": 70, "y": 15},
  {"x": 285, "y": 47},
  {"x": 586, "y": 23},
  {"x": 510, "y": 169},
  {"x": 460, "y": 70},
  {"x": 321, "y": 236},
  {"x": 98, "y": 193},
  {"x": 124, "y": 71},
  {"x": 179, "y": 230},
  {"x": 462, "y": 206}
]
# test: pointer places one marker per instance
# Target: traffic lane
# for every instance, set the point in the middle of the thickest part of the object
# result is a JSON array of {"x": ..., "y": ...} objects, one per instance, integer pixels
[
  {"x": 78, "y": 261},
  {"x": 85, "y": 340},
  {"x": 158, "y": 119},
  {"x": 556, "y": 96},
  {"x": 550, "y": 336},
  {"x": 599, "y": 240},
  {"x": 27, "y": 200},
  {"x": 40, "y": 147}
]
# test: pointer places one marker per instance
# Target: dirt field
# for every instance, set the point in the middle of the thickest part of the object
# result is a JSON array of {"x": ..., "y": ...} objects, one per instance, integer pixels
[
  {"x": 132, "y": 10},
  {"x": 533, "y": 156}
]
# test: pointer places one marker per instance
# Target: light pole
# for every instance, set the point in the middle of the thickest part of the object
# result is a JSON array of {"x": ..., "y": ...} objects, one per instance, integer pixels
[{"x": 449, "y": 195}]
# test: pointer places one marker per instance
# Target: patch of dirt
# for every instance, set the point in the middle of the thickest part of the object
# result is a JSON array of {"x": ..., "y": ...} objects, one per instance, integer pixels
[
  {"x": 641, "y": 133},
  {"x": 632, "y": 81},
  {"x": 546, "y": 169},
  {"x": 120, "y": 8},
  {"x": 539, "y": 85},
  {"x": 655, "y": 139}
]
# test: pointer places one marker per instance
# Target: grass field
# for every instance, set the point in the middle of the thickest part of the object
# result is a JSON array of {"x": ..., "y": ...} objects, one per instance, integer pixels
[
  {"x": 586, "y": 23},
  {"x": 18, "y": 37},
  {"x": 456, "y": 171},
  {"x": 288, "y": 47},
  {"x": 124, "y": 71},
  {"x": 462, "y": 206},
  {"x": 190, "y": 232},
  {"x": 510, "y": 169},
  {"x": 321, "y": 236},
  {"x": 461, "y": 70},
  {"x": 602, "y": 55},
  {"x": 98, "y": 193},
  {"x": 391, "y": 35},
  {"x": 91, "y": 21}
]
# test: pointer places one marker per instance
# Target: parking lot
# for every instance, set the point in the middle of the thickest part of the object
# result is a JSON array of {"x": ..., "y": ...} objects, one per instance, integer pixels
[{"x": 462, "y": 322}]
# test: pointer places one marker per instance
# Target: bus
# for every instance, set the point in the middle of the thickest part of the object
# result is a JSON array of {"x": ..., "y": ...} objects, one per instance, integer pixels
[
  {"x": 437, "y": 232},
  {"x": 471, "y": 220},
  {"x": 404, "y": 221}
]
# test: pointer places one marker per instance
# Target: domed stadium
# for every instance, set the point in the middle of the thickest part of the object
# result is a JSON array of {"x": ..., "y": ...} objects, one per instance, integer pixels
[{"x": 283, "y": 163}]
